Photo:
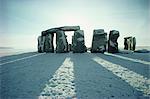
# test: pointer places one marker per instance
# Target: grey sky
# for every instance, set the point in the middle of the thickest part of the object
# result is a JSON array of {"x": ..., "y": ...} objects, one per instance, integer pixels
[{"x": 23, "y": 20}]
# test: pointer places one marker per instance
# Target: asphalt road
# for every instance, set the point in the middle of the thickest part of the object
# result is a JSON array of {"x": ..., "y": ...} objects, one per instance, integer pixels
[{"x": 68, "y": 75}]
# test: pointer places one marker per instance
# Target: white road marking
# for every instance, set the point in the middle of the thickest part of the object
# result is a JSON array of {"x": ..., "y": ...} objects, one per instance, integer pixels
[
  {"x": 137, "y": 81},
  {"x": 21, "y": 59},
  {"x": 61, "y": 85},
  {"x": 130, "y": 59}
]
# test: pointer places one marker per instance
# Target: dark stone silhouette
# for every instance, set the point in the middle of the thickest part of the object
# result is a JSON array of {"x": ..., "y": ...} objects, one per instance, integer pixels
[
  {"x": 61, "y": 42},
  {"x": 64, "y": 28},
  {"x": 41, "y": 40},
  {"x": 78, "y": 42},
  {"x": 129, "y": 43},
  {"x": 49, "y": 43},
  {"x": 112, "y": 42},
  {"x": 69, "y": 47},
  {"x": 99, "y": 41},
  {"x": 45, "y": 41}
]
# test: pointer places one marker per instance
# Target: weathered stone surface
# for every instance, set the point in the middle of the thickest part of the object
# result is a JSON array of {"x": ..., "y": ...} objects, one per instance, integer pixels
[
  {"x": 49, "y": 43},
  {"x": 99, "y": 41},
  {"x": 78, "y": 42},
  {"x": 45, "y": 41},
  {"x": 61, "y": 42},
  {"x": 134, "y": 43},
  {"x": 69, "y": 47},
  {"x": 129, "y": 43},
  {"x": 49, "y": 31},
  {"x": 64, "y": 28},
  {"x": 41, "y": 41},
  {"x": 112, "y": 42},
  {"x": 70, "y": 28}
]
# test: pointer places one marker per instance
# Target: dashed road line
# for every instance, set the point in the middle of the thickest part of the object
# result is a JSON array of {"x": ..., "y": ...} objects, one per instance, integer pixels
[
  {"x": 21, "y": 59},
  {"x": 136, "y": 80},
  {"x": 130, "y": 59},
  {"x": 61, "y": 85}
]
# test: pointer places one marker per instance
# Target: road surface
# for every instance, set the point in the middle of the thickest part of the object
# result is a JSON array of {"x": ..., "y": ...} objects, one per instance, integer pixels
[{"x": 75, "y": 76}]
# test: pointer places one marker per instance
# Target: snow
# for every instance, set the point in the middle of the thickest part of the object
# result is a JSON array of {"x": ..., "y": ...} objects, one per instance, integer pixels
[
  {"x": 62, "y": 83},
  {"x": 130, "y": 59},
  {"x": 75, "y": 75},
  {"x": 136, "y": 80},
  {"x": 126, "y": 51}
]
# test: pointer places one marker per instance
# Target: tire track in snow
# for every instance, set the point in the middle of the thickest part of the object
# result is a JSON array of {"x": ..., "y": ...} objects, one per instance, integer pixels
[
  {"x": 137, "y": 81},
  {"x": 127, "y": 58},
  {"x": 61, "y": 85},
  {"x": 21, "y": 59}
]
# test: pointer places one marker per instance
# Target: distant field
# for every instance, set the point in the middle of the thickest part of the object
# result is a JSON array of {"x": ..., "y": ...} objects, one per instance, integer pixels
[
  {"x": 5, "y": 51},
  {"x": 11, "y": 51}
]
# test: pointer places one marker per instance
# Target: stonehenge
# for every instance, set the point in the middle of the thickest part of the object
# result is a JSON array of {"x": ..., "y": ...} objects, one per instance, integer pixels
[
  {"x": 129, "y": 43},
  {"x": 112, "y": 42},
  {"x": 99, "y": 41},
  {"x": 45, "y": 41}
]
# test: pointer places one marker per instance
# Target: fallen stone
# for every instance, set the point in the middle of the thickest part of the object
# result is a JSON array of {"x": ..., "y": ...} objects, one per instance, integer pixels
[{"x": 142, "y": 51}]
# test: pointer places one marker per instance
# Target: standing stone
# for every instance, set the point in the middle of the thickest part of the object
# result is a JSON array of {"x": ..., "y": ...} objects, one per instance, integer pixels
[
  {"x": 134, "y": 43},
  {"x": 49, "y": 43},
  {"x": 61, "y": 42},
  {"x": 45, "y": 41},
  {"x": 78, "y": 42},
  {"x": 69, "y": 47},
  {"x": 99, "y": 41},
  {"x": 125, "y": 44},
  {"x": 129, "y": 43},
  {"x": 112, "y": 42},
  {"x": 41, "y": 41}
]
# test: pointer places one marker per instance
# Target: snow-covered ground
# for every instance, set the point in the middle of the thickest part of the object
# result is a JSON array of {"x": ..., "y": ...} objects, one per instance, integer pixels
[{"x": 75, "y": 76}]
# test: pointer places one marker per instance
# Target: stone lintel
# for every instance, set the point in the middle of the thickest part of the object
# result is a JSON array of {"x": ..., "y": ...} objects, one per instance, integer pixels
[{"x": 64, "y": 28}]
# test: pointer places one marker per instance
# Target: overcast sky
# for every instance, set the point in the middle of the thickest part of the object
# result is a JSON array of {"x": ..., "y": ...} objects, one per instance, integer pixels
[{"x": 21, "y": 21}]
